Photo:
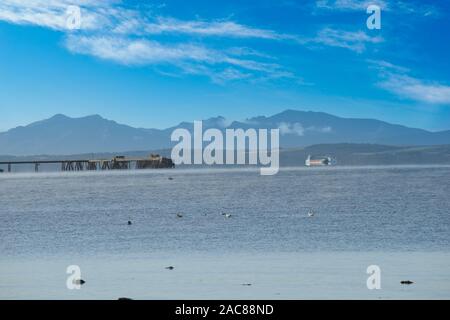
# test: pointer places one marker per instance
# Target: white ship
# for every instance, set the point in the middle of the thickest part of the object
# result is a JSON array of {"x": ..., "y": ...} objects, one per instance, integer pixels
[{"x": 319, "y": 161}]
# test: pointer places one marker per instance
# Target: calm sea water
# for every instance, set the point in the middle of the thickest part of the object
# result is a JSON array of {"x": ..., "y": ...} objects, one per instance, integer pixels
[{"x": 395, "y": 217}]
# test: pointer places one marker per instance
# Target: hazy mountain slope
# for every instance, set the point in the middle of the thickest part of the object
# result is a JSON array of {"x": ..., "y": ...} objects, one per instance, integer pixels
[
  {"x": 64, "y": 135},
  {"x": 307, "y": 128}
]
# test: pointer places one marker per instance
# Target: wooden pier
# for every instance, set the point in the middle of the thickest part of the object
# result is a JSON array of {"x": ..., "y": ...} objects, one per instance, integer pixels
[{"x": 116, "y": 163}]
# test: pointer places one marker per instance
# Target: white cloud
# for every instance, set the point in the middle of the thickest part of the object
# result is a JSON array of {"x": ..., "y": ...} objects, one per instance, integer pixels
[
  {"x": 416, "y": 89},
  {"x": 417, "y": 8},
  {"x": 298, "y": 129},
  {"x": 320, "y": 129},
  {"x": 396, "y": 80},
  {"x": 132, "y": 22},
  {"x": 348, "y": 5},
  {"x": 97, "y": 14},
  {"x": 245, "y": 51},
  {"x": 190, "y": 58},
  {"x": 136, "y": 52},
  {"x": 352, "y": 40},
  {"x": 394, "y": 6},
  {"x": 294, "y": 128},
  {"x": 128, "y": 36},
  {"x": 384, "y": 65},
  {"x": 52, "y": 13},
  {"x": 205, "y": 28},
  {"x": 216, "y": 74}
]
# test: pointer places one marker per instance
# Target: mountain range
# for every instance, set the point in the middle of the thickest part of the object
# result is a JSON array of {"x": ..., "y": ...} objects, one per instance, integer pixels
[{"x": 62, "y": 135}]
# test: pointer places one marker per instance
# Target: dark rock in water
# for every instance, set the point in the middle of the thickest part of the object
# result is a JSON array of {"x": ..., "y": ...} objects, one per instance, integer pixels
[
  {"x": 406, "y": 282},
  {"x": 79, "y": 281},
  {"x": 170, "y": 268},
  {"x": 124, "y": 299},
  {"x": 129, "y": 223}
]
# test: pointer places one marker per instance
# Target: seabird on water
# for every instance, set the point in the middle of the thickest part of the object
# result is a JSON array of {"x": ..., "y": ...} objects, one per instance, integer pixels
[{"x": 79, "y": 281}]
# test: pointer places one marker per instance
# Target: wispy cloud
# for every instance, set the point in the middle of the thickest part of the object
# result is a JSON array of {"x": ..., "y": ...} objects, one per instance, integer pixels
[
  {"x": 246, "y": 51},
  {"x": 136, "y": 52},
  {"x": 298, "y": 129},
  {"x": 188, "y": 57},
  {"x": 348, "y": 5},
  {"x": 397, "y": 80},
  {"x": 411, "y": 7},
  {"x": 209, "y": 28},
  {"x": 352, "y": 40},
  {"x": 417, "y": 8},
  {"x": 52, "y": 13},
  {"x": 128, "y": 36},
  {"x": 97, "y": 14},
  {"x": 383, "y": 65},
  {"x": 294, "y": 128},
  {"x": 417, "y": 89}
]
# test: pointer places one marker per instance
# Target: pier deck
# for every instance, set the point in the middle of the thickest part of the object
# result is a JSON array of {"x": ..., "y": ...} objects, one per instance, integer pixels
[{"x": 116, "y": 163}]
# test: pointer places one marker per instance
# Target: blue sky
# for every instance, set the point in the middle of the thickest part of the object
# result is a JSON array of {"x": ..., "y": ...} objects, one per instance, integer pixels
[{"x": 155, "y": 64}]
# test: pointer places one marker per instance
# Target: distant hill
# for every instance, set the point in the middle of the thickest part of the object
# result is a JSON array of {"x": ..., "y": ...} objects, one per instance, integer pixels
[
  {"x": 368, "y": 154},
  {"x": 300, "y": 128},
  {"x": 345, "y": 154},
  {"x": 63, "y": 135}
]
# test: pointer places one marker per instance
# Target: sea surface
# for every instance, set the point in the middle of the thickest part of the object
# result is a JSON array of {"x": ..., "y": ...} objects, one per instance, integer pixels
[{"x": 397, "y": 218}]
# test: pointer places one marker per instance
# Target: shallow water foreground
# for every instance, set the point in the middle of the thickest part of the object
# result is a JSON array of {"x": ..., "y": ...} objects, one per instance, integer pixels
[
  {"x": 395, "y": 217},
  {"x": 232, "y": 276}
]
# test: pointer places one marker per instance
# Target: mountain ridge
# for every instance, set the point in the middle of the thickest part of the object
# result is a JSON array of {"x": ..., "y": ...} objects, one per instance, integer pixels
[{"x": 61, "y": 134}]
